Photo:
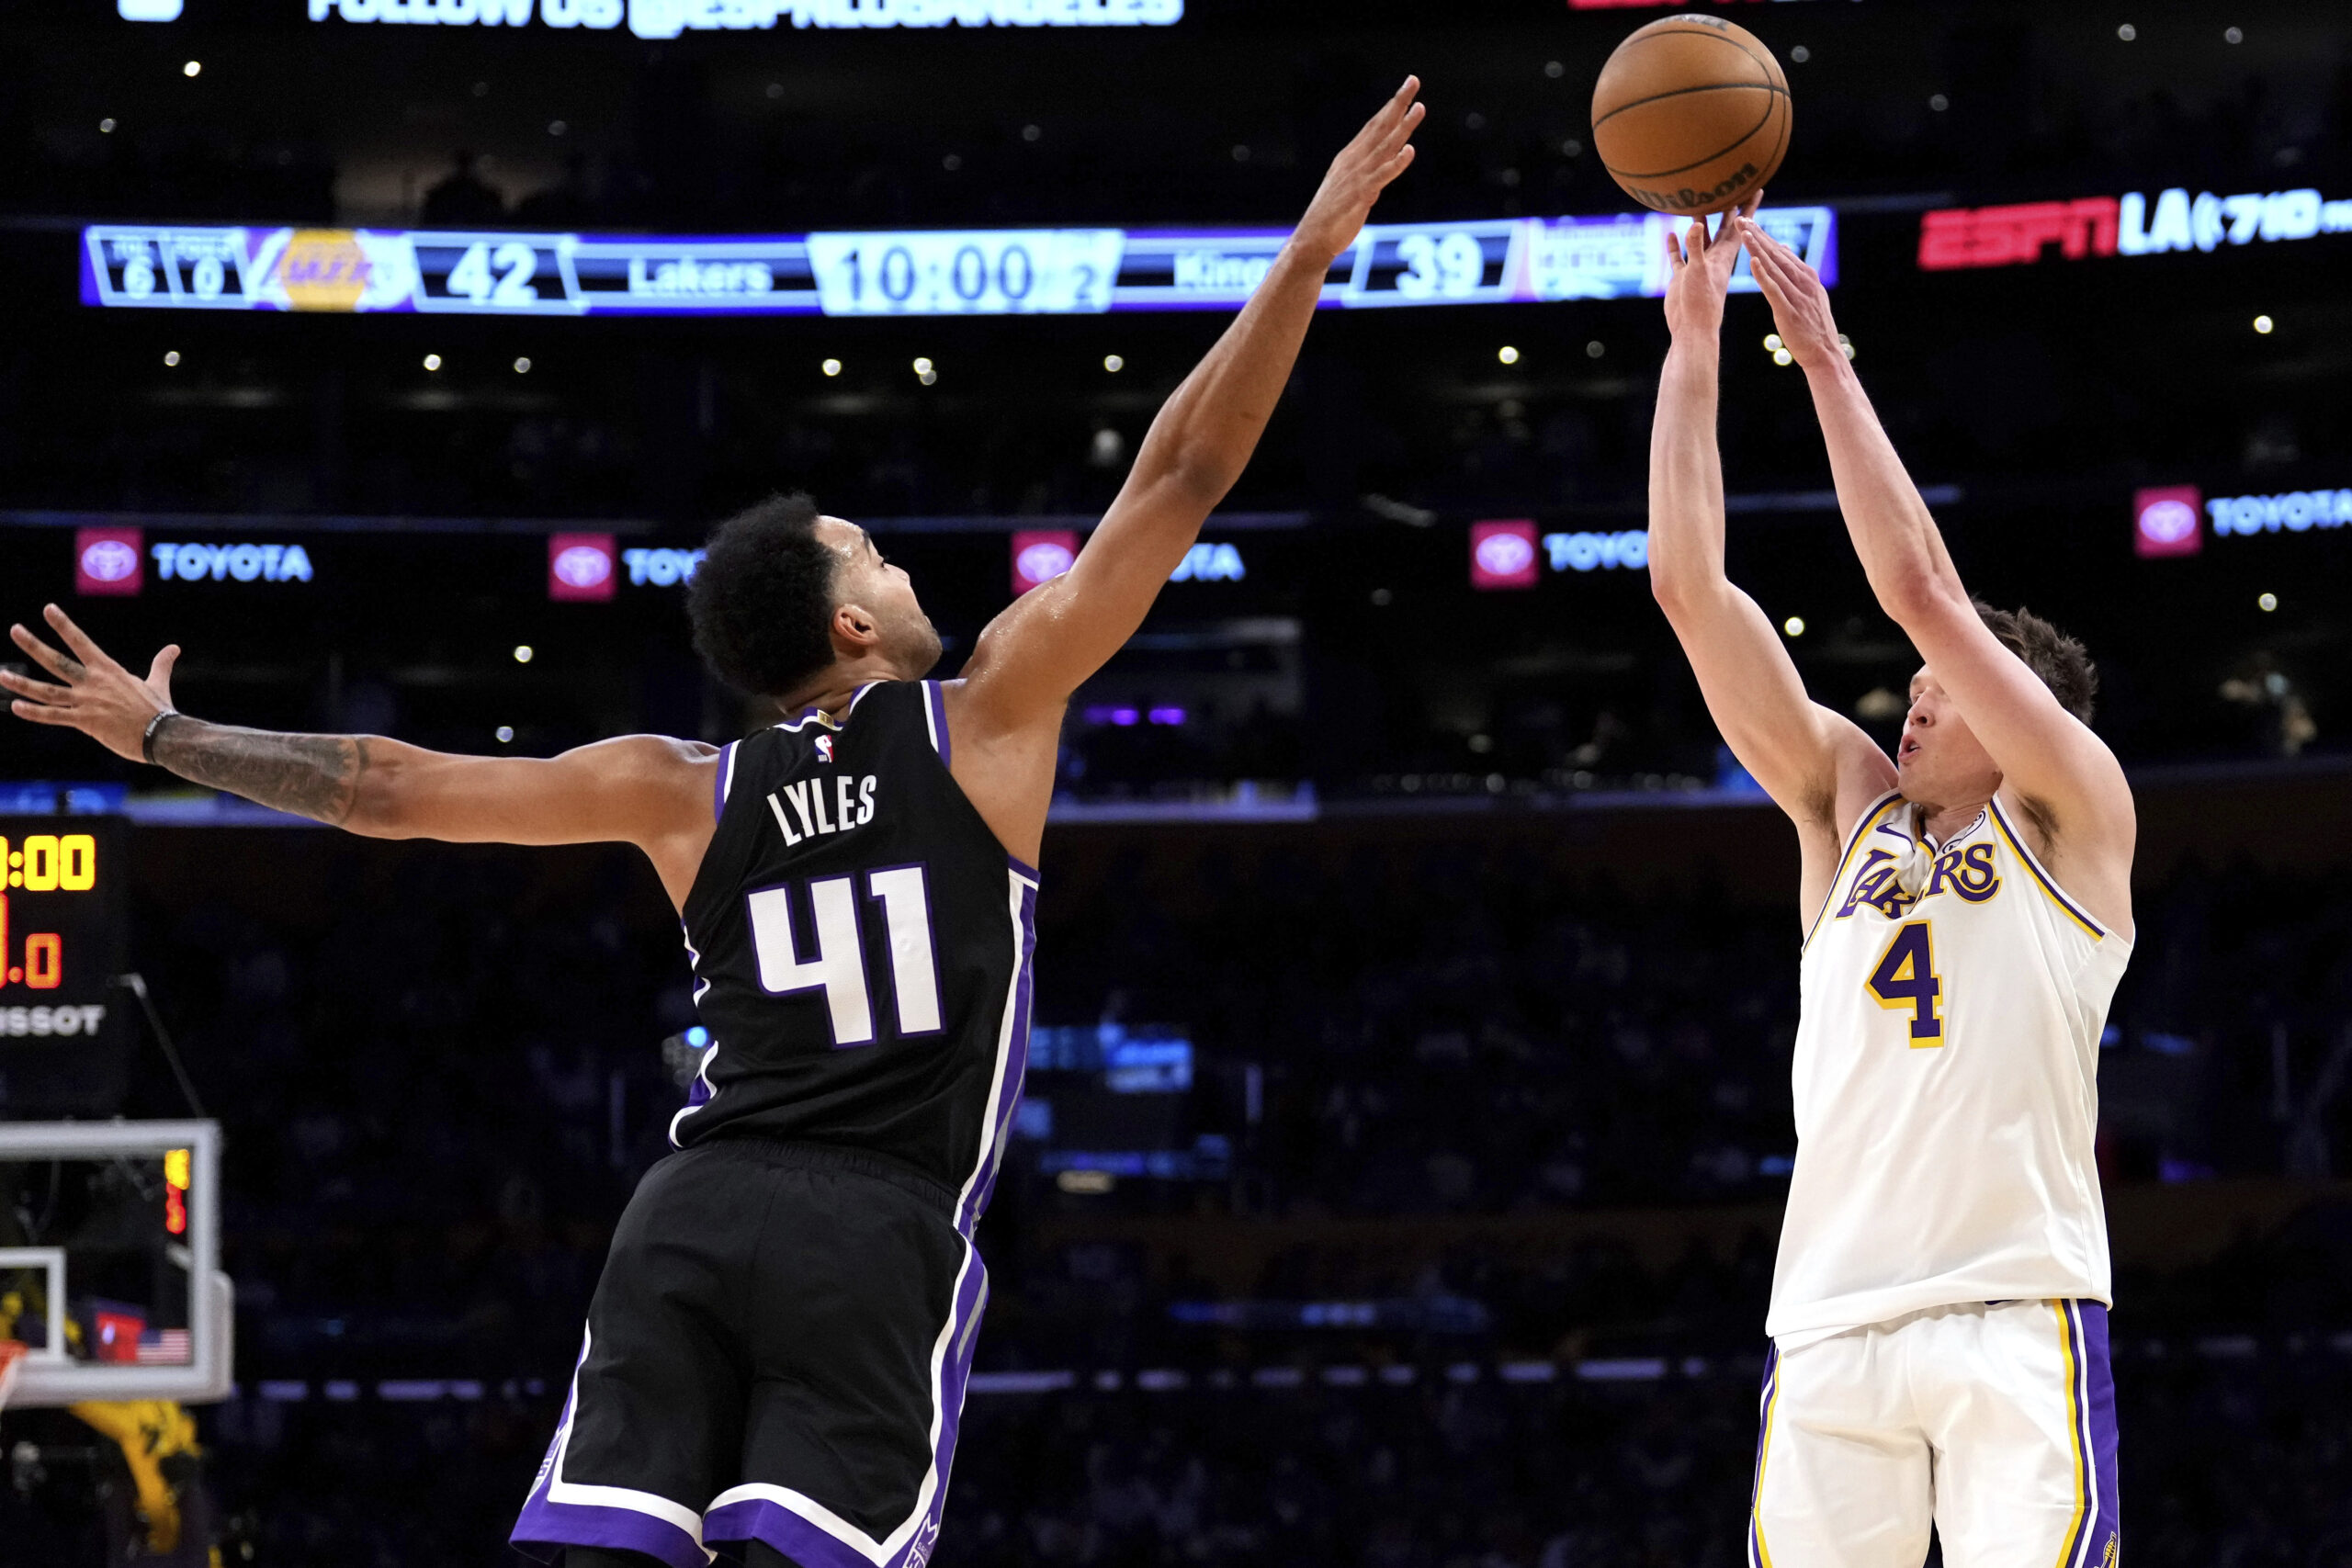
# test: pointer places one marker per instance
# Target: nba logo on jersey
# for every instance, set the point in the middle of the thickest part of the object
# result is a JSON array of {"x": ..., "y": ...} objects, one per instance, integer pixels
[{"x": 824, "y": 748}]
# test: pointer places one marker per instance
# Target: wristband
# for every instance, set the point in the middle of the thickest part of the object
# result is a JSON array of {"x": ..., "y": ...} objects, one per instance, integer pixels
[{"x": 147, "y": 736}]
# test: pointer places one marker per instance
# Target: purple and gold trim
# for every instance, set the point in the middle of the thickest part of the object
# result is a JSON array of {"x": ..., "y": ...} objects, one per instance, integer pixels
[
  {"x": 1758, "y": 1555},
  {"x": 2097, "y": 1529},
  {"x": 2074, "y": 911},
  {"x": 1869, "y": 820}
]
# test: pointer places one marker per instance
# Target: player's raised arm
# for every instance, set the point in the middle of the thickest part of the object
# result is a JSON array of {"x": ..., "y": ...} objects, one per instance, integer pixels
[
  {"x": 1803, "y": 755},
  {"x": 1034, "y": 655},
  {"x": 642, "y": 789},
  {"x": 2070, "y": 782}
]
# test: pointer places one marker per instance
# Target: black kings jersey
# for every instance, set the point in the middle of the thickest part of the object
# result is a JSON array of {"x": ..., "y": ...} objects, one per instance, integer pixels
[{"x": 861, "y": 945}]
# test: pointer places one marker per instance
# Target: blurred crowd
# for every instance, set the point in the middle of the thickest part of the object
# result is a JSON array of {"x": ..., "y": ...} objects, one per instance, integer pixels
[{"x": 439, "y": 1073}]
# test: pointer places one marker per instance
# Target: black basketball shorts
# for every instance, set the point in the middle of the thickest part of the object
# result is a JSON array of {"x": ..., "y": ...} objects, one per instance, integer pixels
[{"x": 777, "y": 1351}]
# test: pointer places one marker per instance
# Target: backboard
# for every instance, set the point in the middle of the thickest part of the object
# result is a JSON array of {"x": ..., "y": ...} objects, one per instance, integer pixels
[{"x": 109, "y": 1261}]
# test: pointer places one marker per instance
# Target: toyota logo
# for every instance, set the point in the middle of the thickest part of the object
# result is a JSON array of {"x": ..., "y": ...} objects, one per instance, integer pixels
[
  {"x": 1505, "y": 555},
  {"x": 109, "y": 560},
  {"x": 582, "y": 566},
  {"x": 2168, "y": 522},
  {"x": 1044, "y": 561}
]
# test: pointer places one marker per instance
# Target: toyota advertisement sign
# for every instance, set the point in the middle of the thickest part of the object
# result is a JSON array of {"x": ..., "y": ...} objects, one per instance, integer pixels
[
  {"x": 1040, "y": 555},
  {"x": 1502, "y": 555},
  {"x": 109, "y": 561},
  {"x": 2165, "y": 521},
  {"x": 580, "y": 568}
]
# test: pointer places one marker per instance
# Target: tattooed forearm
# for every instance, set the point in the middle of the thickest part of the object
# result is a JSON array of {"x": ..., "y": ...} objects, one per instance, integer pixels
[{"x": 310, "y": 776}]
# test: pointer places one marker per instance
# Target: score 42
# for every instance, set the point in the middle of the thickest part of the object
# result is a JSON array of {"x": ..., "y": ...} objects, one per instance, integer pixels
[{"x": 44, "y": 862}]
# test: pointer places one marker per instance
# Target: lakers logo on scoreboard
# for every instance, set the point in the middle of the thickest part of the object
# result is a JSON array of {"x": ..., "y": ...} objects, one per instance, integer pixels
[{"x": 324, "y": 269}]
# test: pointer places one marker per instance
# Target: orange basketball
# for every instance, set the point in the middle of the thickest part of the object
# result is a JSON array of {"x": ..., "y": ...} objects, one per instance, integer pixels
[{"x": 1691, "y": 114}]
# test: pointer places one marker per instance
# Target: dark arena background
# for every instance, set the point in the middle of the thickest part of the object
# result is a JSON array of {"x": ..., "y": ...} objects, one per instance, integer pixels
[{"x": 1408, "y": 1115}]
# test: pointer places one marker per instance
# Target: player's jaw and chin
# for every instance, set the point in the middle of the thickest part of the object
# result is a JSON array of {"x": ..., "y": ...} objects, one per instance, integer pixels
[
  {"x": 908, "y": 640},
  {"x": 1938, "y": 762}
]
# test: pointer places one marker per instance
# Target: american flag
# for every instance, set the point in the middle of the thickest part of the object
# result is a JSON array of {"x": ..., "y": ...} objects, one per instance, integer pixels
[{"x": 166, "y": 1347}]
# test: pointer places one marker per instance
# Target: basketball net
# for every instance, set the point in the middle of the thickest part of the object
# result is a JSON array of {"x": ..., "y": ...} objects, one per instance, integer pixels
[{"x": 12, "y": 1361}]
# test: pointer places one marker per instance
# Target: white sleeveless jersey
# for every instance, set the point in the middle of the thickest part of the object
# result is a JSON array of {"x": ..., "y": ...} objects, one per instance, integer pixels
[{"x": 1946, "y": 1080}]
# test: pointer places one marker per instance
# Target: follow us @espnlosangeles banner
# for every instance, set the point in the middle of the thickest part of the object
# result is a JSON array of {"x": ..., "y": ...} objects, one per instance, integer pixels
[{"x": 668, "y": 18}]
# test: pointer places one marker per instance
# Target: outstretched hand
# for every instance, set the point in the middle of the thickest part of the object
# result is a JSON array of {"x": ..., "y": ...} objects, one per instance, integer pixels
[
  {"x": 1697, "y": 271},
  {"x": 1799, "y": 304},
  {"x": 98, "y": 698},
  {"x": 1381, "y": 151}
]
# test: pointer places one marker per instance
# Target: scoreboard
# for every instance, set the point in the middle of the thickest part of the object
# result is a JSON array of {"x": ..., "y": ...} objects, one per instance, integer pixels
[
  {"x": 65, "y": 1044},
  {"x": 885, "y": 273}
]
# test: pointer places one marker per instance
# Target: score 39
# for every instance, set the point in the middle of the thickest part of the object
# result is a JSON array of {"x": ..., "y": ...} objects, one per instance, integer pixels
[{"x": 43, "y": 863}]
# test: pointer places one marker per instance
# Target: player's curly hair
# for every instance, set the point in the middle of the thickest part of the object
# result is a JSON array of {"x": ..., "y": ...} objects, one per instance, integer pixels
[
  {"x": 762, "y": 601},
  {"x": 2062, "y": 661}
]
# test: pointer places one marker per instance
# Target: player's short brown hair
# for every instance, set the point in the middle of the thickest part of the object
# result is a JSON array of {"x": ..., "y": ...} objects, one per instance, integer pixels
[{"x": 2062, "y": 661}]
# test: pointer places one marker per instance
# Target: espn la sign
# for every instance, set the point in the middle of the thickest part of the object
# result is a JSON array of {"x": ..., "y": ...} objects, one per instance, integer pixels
[{"x": 2128, "y": 225}]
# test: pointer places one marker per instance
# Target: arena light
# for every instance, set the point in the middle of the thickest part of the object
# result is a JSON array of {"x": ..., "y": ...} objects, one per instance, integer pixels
[
  {"x": 194, "y": 67},
  {"x": 1793, "y": 626},
  {"x": 433, "y": 361},
  {"x": 923, "y": 367},
  {"x": 2264, "y": 325},
  {"x": 830, "y": 367},
  {"x": 106, "y": 126},
  {"x": 1113, "y": 363},
  {"x": 523, "y": 653},
  {"x": 523, "y": 366},
  {"x": 2267, "y": 603},
  {"x": 1508, "y": 354},
  {"x": 172, "y": 357},
  {"x": 1595, "y": 349},
  {"x": 505, "y": 733}
]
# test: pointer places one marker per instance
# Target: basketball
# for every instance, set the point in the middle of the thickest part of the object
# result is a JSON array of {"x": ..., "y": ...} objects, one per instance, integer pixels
[{"x": 1691, "y": 114}]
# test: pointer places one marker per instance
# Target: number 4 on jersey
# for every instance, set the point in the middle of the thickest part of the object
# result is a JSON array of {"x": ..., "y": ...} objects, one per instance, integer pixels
[
  {"x": 838, "y": 967},
  {"x": 1906, "y": 977}
]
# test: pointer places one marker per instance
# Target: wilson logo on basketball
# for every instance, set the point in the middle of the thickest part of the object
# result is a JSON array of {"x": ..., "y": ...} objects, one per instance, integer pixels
[
  {"x": 1685, "y": 199},
  {"x": 109, "y": 561}
]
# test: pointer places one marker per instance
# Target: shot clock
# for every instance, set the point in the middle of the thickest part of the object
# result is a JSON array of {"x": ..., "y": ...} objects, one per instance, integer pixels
[{"x": 64, "y": 1042}]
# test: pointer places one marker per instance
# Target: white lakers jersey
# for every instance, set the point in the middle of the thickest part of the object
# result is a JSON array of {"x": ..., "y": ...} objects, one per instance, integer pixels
[{"x": 1946, "y": 1080}]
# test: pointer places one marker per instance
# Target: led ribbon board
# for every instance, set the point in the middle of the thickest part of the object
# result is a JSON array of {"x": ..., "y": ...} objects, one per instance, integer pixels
[{"x": 935, "y": 273}]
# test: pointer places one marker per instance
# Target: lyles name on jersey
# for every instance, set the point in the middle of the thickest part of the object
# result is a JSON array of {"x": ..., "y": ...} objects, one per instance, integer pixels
[
  {"x": 1966, "y": 870},
  {"x": 811, "y": 808}
]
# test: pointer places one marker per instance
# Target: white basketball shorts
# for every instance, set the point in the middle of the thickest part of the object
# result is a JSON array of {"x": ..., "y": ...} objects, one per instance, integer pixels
[{"x": 1994, "y": 1421}]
